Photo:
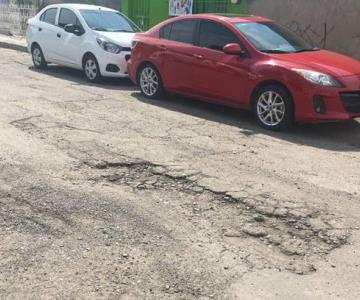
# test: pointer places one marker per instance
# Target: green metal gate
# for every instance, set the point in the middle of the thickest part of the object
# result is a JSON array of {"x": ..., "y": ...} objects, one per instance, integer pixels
[
  {"x": 147, "y": 13},
  {"x": 206, "y": 6},
  {"x": 139, "y": 11}
]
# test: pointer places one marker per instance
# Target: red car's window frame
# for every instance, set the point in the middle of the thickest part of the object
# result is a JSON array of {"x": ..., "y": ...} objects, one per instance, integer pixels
[
  {"x": 171, "y": 24},
  {"x": 218, "y": 23},
  {"x": 198, "y": 35}
]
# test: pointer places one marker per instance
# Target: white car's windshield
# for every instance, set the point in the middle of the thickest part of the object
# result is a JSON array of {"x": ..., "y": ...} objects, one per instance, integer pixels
[
  {"x": 112, "y": 21},
  {"x": 272, "y": 38}
]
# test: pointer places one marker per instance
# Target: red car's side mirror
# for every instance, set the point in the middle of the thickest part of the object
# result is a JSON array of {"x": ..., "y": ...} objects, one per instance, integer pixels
[{"x": 233, "y": 49}]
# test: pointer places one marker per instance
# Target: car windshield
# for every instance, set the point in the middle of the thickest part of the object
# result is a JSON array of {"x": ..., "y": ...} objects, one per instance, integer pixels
[
  {"x": 270, "y": 37},
  {"x": 112, "y": 21}
]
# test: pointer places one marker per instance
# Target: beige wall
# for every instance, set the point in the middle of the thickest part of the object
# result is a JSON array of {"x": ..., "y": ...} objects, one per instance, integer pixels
[{"x": 331, "y": 24}]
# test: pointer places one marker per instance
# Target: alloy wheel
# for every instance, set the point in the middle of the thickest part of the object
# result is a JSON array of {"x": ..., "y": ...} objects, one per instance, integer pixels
[
  {"x": 149, "y": 81},
  {"x": 37, "y": 57},
  {"x": 271, "y": 108},
  {"x": 91, "y": 69}
]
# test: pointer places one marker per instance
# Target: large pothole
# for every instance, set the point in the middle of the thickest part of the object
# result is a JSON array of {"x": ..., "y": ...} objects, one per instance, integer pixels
[{"x": 295, "y": 230}]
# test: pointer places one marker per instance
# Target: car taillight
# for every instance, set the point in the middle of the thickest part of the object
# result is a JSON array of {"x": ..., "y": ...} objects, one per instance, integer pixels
[{"x": 133, "y": 44}]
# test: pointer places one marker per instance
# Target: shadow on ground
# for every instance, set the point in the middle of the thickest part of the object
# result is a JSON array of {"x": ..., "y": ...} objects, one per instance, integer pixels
[
  {"x": 331, "y": 136},
  {"x": 79, "y": 78}
]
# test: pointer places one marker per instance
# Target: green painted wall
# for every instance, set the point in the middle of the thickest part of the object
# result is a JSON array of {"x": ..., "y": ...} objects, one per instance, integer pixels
[
  {"x": 147, "y": 13},
  {"x": 159, "y": 11},
  {"x": 237, "y": 8}
]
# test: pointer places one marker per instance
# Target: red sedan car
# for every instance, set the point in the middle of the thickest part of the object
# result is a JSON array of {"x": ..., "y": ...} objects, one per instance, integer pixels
[{"x": 247, "y": 62}]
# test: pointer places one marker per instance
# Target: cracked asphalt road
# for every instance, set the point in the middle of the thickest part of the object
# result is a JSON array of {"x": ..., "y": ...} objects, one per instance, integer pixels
[{"x": 107, "y": 195}]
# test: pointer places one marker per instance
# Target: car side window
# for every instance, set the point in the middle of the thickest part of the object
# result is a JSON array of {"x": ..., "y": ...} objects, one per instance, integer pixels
[
  {"x": 165, "y": 32},
  {"x": 215, "y": 36},
  {"x": 67, "y": 17},
  {"x": 49, "y": 16},
  {"x": 183, "y": 31}
]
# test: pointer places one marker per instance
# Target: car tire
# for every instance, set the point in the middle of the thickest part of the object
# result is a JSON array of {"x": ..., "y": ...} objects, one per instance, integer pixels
[
  {"x": 150, "y": 82},
  {"x": 91, "y": 69},
  {"x": 38, "y": 57},
  {"x": 273, "y": 108}
]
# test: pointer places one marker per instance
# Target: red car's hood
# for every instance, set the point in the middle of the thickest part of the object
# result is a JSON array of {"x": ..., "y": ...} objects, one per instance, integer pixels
[{"x": 322, "y": 61}]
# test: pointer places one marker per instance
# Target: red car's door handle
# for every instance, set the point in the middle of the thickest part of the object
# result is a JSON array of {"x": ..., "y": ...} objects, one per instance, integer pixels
[
  {"x": 198, "y": 56},
  {"x": 162, "y": 48}
]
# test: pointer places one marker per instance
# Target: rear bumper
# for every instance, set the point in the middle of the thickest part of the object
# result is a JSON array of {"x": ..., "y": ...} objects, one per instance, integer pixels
[
  {"x": 132, "y": 71},
  {"x": 28, "y": 45}
]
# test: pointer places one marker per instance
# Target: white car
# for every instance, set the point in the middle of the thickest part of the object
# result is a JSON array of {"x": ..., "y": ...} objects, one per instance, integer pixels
[{"x": 91, "y": 38}]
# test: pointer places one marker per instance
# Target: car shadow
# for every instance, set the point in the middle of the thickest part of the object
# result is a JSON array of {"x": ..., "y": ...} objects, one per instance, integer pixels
[
  {"x": 343, "y": 136},
  {"x": 78, "y": 78}
]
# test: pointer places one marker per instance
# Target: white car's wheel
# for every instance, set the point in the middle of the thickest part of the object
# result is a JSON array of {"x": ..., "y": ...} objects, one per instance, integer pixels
[
  {"x": 38, "y": 57},
  {"x": 91, "y": 68}
]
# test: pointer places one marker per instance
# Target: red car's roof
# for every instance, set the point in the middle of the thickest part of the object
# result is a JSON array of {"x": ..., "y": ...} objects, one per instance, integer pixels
[
  {"x": 230, "y": 17},
  {"x": 211, "y": 16}
]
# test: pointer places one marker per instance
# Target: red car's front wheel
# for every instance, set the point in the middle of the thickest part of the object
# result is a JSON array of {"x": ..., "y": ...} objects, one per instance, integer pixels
[{"x": 273, "y": 107}]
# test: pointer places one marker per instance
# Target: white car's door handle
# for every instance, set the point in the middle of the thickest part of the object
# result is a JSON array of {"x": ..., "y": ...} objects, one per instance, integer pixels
[{"x": 58, "y": 35}]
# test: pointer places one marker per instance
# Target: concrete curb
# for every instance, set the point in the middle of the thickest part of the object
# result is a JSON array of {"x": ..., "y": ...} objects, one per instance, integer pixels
[{"x": 13, "y": 46}]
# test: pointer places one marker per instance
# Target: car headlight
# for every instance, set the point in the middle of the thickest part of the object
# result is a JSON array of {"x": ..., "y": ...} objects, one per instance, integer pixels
[
  {"x": 318, "y": 78},
  {"x": 108, "y": 46}
]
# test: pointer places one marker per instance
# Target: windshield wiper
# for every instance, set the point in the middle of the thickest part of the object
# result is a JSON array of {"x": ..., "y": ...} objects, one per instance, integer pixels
[
  {"x": 99, "y": 29},
  {"x": 307, "y": 49},
  {"x": 274, "y": 51},
  {"x": 122, "y": 30}
]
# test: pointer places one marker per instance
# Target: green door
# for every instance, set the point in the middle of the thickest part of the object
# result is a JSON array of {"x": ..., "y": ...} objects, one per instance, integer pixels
[{"x": 139, "y": 12}]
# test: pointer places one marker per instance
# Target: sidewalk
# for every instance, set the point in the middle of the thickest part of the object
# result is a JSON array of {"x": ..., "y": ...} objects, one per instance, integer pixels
[{"x": 13, "y": 42}]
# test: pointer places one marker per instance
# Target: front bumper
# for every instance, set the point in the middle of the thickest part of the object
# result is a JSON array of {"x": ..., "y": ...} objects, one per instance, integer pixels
[
  {"x": 114, "y": 65},
  {"x": 340, "y": 104}
]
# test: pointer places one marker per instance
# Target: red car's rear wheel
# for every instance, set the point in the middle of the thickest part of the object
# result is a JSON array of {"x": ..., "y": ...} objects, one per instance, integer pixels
[{"x": 150, "y": 82}]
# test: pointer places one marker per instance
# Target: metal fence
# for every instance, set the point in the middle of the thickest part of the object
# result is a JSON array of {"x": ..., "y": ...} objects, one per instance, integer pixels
[
  {"x": 139, "y": 11},
  {"x": 13, "y": 18},
  {"x": 216, "y": 6}
]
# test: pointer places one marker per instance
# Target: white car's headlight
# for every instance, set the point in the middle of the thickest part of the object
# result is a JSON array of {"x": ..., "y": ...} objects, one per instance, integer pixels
[
  {"x": 108, "y": 46},
  {"x": 318, "y": 78}
]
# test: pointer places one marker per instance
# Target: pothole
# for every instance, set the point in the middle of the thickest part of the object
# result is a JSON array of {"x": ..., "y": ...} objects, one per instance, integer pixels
[
  {"x": 294, "y": 230},
  {"x": 144, "y": 176}
]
